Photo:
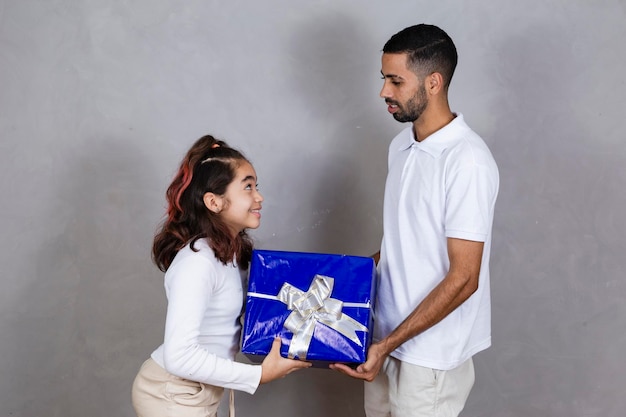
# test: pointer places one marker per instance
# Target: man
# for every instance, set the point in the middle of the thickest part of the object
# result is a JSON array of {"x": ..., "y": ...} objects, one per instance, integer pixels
[{"x": 433, "y": 308}]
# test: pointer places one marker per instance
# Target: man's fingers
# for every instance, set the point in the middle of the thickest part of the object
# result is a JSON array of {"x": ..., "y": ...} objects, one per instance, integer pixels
[{"x": 344, "y": 369}]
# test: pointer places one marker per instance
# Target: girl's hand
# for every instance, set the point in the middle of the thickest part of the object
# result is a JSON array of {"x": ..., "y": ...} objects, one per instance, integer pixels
[{"x": 275, "y": 366}]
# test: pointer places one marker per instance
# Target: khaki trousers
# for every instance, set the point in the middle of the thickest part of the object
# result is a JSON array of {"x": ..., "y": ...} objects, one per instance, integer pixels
[
  {"x": 405, "y": 390},
  {"x": 157, "y": 393}
]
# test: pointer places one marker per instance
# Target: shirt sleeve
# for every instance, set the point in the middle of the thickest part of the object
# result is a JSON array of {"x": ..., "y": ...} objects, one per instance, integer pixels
[
  {"x": 189, "y": 288},
  {"x": 470, "y": 195}
]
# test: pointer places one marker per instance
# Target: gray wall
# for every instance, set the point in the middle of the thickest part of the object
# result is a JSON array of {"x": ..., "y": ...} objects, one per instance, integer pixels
[{"x": 99, "y": 100}]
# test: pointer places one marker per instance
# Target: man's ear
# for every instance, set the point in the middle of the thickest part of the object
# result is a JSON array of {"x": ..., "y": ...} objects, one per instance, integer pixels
[
  {"x": 434, "y": 83},
  {"x": 213, "y": 202}
]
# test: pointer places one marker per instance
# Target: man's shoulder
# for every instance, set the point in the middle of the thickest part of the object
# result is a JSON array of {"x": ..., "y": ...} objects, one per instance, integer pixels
[{"x": 463, "y": 139}]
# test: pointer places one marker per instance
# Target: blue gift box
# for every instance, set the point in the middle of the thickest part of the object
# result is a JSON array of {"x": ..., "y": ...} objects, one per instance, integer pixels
[{"x": 320, "y": 305}]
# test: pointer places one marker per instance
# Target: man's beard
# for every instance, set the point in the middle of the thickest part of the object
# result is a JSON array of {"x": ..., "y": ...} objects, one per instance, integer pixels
[{"x": 415, "y": 106}]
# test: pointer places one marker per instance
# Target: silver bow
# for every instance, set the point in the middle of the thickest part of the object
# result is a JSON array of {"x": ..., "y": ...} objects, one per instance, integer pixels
[{"x": 312, "y": 306}]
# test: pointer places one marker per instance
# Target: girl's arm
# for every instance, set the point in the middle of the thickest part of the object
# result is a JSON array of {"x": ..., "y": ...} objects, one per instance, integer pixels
[{"x": 190, "y": 286}]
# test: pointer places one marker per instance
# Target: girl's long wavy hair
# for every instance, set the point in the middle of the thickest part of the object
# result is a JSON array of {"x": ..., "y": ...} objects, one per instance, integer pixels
[{"x": 209, "y": 166}]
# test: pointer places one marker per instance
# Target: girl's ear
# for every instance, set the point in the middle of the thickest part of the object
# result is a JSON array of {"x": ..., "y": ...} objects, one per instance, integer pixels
[{"x": 213, "y": 202}]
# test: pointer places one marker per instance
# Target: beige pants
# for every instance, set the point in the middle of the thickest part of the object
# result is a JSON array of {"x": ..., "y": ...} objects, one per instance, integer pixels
[
  {"x": 405, "y": 390},
  {"x": 157, "y": 393}
]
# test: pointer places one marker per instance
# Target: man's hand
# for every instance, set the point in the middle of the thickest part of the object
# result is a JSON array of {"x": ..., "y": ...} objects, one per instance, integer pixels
[{"x": 367, "y": 371}]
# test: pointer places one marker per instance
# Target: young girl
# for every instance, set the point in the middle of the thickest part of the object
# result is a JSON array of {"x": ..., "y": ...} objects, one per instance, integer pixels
[{"x": 202, "y": 247}]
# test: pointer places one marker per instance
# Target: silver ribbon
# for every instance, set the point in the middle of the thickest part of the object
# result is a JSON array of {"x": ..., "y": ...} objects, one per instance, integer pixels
[{"x": 315, "y": 305}]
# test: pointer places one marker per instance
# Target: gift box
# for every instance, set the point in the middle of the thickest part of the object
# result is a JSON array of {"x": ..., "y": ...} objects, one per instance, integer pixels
[{"x": 320, "y": 305}]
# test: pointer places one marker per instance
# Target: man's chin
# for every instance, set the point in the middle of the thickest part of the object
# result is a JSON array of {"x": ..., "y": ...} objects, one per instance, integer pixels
[{"x": 400, "y": 118}]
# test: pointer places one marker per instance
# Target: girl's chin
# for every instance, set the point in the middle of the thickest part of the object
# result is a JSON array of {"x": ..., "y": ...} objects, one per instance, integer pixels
[{"x": 254, "y": 225}]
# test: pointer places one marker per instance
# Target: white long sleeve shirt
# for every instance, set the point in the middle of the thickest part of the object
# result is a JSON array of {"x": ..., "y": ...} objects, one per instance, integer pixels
[{"x": 205, "y": 299}]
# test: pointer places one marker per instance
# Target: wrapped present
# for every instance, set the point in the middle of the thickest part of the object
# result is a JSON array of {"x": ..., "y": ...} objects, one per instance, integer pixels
[{"x": 320, "y": 305}]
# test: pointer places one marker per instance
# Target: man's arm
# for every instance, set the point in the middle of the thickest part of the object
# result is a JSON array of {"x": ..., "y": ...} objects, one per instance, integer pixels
[{"x": 459, "y": 284}]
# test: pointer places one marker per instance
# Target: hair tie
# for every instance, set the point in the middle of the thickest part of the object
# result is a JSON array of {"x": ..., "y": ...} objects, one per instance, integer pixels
[{"x": 215, "y": 145}]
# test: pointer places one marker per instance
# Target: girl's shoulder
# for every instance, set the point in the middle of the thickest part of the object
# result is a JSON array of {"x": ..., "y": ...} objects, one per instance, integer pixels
[
  {"x": 199, "y": 266},
  {"x": 199, "y": 253}
]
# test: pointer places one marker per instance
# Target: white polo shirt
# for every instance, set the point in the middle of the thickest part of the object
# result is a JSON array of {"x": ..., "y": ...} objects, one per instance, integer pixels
[{"x": 442, "y": 187}]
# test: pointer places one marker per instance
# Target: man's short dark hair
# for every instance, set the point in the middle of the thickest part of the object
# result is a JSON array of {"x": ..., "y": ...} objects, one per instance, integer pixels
[{"x": 429, "y": 50}]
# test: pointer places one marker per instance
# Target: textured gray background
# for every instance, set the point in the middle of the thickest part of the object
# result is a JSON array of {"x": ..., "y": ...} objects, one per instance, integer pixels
[{"x": 100, "y": 99}]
